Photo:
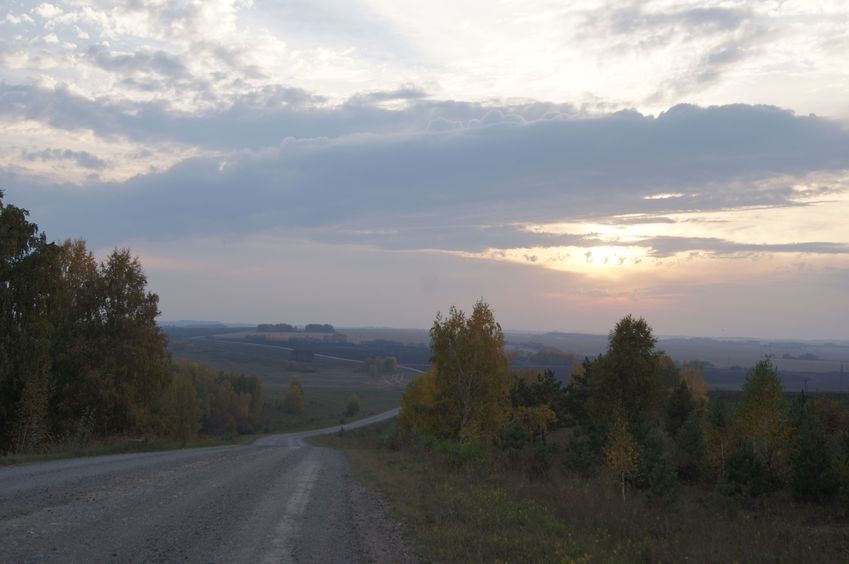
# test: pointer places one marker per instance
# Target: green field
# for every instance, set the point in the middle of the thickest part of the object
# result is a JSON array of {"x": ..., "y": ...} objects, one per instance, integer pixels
[{"x": 327, "y": 383}]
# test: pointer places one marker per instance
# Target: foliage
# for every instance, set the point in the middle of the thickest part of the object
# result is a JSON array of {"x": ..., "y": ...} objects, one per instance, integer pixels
[
  {"x": 745, "y": 474},
  {"x": 294, "y": 400},
  {"x": 691, "y": 459},
  {"x": 813, "y": 474},
  {"x": 379, "y": 365},
  {"x": 353, "y": 405},
  {"x": 530, "y": 388},
  {"x": 761, "y": 414},
  {"x": 679, "y": 406},
  {"x": 470, "y": 454},
  {"x": 627, "y": 377},
  {"x": 693, "y": 373},
  {"x": 181, "y": 408},
  {"x": 620, "y": 452},
  {"x": 470, "y": 382},
  {"x": 655, "y": 472},
  {"x": 576, "y": 395},
  {"x": 719, "y": 434},
  {"x": 78, "y": 340},
  {"x": 229, "y": 402},
  {"x": 418, "y": 405}
]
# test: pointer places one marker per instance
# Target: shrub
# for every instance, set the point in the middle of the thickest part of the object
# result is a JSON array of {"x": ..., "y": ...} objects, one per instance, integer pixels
[
  {"x": 353, "y": 406},
  {"x": 471, "y": 453},
  {"x": 813, "y": 475},
  {"x": 656, "y": 470},
  {"x": 745, "y": 474}
]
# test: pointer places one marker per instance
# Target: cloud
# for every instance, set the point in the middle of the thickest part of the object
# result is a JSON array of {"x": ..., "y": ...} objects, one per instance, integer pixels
[
  {"x": 632, "y": 20},
  {"x": 434, "y": 187},
  {"x": 404, "y": 93},
  {"x": 82, "y": 158},
  {"x": 140, "y": 62},
  {"x": 667, "y": 246},
  {"x": 261, "y": 118}
]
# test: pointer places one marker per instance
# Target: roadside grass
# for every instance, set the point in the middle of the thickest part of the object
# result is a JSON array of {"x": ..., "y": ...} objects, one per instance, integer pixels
[
  {"x": 120, "y": 445},
  {"x": 493, "y": 509},
  {"x": 468, "y": 514}
]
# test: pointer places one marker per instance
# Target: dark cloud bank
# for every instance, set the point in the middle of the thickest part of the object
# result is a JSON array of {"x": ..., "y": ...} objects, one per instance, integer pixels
[{"x": 361, "y": 173}]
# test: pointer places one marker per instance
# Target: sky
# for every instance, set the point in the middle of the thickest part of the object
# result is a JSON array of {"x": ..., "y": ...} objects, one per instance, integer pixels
[{"x": 372, "y": 162}]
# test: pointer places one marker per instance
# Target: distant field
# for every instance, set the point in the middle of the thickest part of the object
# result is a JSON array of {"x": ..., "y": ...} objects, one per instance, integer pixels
[
  {"x": 814, "y": 365},
  {"x": 328, "y": 384}
]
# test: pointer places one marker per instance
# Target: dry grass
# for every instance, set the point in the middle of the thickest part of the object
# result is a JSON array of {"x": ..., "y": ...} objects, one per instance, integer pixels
[
  {"x": 468, "y": 515},
  {"x": 694, "y": 525},
  {"x": 489, "y": 513}
]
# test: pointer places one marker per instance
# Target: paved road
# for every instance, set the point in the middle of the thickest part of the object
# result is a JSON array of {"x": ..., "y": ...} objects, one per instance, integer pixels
[{"x": 278, "y": 500}]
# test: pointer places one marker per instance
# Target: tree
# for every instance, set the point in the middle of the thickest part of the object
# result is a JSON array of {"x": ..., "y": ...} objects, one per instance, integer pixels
[
  {"x": 79, "y": 345},
  {"x": 294, "y": 401},
  {"x": 390, "y": 365},
  {"x": 353, "y": 406},
  {"x": 761, "y": 414},
  {"x": 470, "y": 368},
  {"x": 620, "y": 452},
  {"x": 745, "y": 474},
  {"x": 28, "y": 279},
  {"x": 719, "y": 433},
  {"x": 535, "y": 420},
  {"x": 693, "y": 373},
  {"x": 690, "y": 449},
  {"x": 135, "y": 362},
  {"x": 813, "y": 470},
  {"x": 418, "y": 409},
  {"x": 679, "y": 406},
  {"x": 627, "y": 377},
  {"x": 576, "y": 395},
  {"x": 181, "y": 408}
]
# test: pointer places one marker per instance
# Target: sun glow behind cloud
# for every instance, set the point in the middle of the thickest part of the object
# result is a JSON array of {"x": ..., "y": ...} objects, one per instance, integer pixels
[{"x": 687, "y": 246}]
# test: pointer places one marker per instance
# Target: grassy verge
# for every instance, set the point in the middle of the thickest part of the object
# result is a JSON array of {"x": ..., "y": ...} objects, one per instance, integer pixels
[
  {"x": 120, "y": 445},
  {"x": 492, "y": 509},
  {"x": 469, "y": 514}
]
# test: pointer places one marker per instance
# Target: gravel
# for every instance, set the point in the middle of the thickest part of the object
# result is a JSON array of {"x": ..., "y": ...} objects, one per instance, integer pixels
[{"x": 282, "y": 502}]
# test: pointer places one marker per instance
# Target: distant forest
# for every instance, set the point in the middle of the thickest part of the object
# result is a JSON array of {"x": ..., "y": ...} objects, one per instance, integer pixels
[{"x": 81, "y": 355}]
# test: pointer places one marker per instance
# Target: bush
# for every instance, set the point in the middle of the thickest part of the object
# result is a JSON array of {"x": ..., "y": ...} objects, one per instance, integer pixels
[
  {"x": 745, "y": 474},
  {"x": 656, "y": 470},
  {"x": 353, "y": 406},
  {"x": 462, "y": 454},
  {"x": 690, "y": 450},
  {"x": 533, "y": 460},
  {"x": 583, "y": 454},
  {"x": 513, "y": 436},
  {"x": 814, "y": 477}
]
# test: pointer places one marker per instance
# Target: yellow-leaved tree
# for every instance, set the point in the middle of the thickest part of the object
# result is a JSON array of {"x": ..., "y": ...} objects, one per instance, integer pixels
[
  {"x": 466, "y": 392},
  {"x": 762, "y": 414},
  {"x": 620, "y": 452}
]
